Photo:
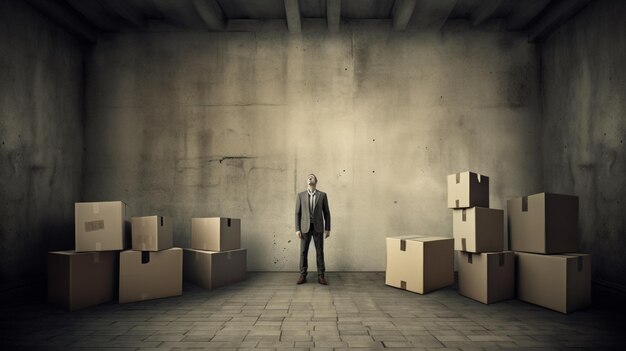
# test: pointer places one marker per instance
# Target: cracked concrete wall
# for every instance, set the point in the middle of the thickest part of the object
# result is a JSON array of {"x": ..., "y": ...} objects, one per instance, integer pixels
[
  {"x": 191, "y": 124},
  {"x": 584, "y": 104},
  {"x": 41, "y": 134}
]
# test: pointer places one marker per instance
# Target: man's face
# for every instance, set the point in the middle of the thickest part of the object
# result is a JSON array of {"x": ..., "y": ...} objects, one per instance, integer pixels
[{"x": 311, "y": 180}]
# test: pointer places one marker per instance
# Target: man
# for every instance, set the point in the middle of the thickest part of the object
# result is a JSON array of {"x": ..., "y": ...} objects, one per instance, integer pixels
[{"x": 312, "y": 221}]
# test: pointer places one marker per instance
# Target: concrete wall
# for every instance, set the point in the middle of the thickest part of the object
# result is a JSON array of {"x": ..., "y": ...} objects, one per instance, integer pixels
[
  {"x": 584, "y": 104},
  {"x": 229, "y": 124},
  {"x": 41, "y": 132}
]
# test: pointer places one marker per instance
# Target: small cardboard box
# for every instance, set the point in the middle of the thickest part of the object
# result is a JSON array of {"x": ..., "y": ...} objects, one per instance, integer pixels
[
  {"x": 487, "y": 277},
  {"x": 478, "y": 229},
  {"x": 211, "y": 269},
  {"x": 152, "y": 233},
  {"x": 543, "y": 223},
  {"x": 558, "y": 282},
  {"x": 101, "y": 226},
  {"x": 468, "y": 189},
  {"x": 215, "y": 234},
  {"x": 81, "y": 279},
  {"x": 150, "y": 275},
  {"x": 420, "y": 264}
]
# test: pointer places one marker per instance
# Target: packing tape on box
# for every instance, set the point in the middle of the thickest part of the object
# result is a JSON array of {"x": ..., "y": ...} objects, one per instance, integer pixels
[
  {"x": 402, "y": 285},
  {"x": 96, "y": 207},
  {"x": 457, "y": 204},
  {"x": 463, "y": 244},
  {"x": 501, "y": 259},
  {"x": 402, "y": 245},
  {"x": 197, "y": 256},
  {"x": 96, "y": 257},
  {"x": 458, "y": 178},
  {"x": 98, "y": 246},
  {"x": 524, "y": 203},
  {"x": 228, "y": 221},
  {"x": 144, "y": 296},
  {"x": 229, "y": 255},
  {"x": 470, "y": 258},
  {"x": 478, "y": 177},
  {"x": 464, "y": 215},
  {"x": 161, "y": 221}
]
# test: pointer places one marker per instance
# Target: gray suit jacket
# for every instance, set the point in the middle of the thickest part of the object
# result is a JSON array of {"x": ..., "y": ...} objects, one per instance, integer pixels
[{"x": 321, "y": 213}]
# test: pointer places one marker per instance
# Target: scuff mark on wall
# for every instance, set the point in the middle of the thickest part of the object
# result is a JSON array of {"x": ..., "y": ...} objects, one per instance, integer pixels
[{"x": 226, "y": 158}]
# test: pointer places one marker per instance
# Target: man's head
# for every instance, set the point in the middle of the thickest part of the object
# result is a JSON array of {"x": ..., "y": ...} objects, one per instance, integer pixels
[{"x": 311, "y": 180}]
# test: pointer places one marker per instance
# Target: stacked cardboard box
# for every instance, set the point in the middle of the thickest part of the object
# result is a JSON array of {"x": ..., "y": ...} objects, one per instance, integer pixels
[
  {"x": 215, "y": 258},
  {"x": 486, "y": 271},
  {"x": 87, "y": 276},
  {"x": 153, "y": 268},
  {"x": 543, "y": 231},
  {"x": 419, "y": 264}
]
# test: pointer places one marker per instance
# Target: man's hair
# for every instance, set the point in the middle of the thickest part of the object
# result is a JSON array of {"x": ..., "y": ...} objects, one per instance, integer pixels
[{"x": 314, "y": 176}]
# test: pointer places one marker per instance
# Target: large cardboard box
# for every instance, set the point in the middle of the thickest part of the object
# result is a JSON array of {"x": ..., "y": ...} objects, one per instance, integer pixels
[
  {"x": 420, "y": 264},
  {"x": 101, "y": 226},
  {"x": 212, "y": 269},
  {"x": 478, "y": 229},
  {"x": 215, "y": 234},
  {"x": 559, "y": 282},
  {"x": 81, "y": 279},
  {"x": 487, "y": 277},
  {"x": 150, "y": 275},
  {"x": 152, "y": 233},
  {"x": 543, "y": 223},
  {"x": 468, "y": 189}
]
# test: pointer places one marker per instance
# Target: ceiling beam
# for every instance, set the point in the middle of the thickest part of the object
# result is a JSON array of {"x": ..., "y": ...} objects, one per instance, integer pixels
[
  {"x": 211, "y": 13},
  {"x": 292, "y": 11},
  {"x": 486, "y": 9},
  {"x": 432, "y": 14},
  {"x": 524, "y": 12},
  {"x": 554, "y": 17},
  {"x": 95, "y": 13},
  {"x": 333, "y": 15},
  {"x": 402, "y": 12},
  {"x": 180, "y": 13},
  {"x": 68, "y": 18},
  {"x": 124, "y": 10}
]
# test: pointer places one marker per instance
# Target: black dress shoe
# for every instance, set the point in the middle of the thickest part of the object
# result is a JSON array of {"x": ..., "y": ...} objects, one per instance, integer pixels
[
  {"x": 322, "y": 280},
  {"x": 302, "y": 279}
]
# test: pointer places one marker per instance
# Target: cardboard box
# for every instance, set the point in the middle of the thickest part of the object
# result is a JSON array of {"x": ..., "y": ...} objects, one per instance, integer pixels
[
  {"x": 211, "y": 269},
  {"x": 478, "y": 229},
  {"x": 543, "y": 223},
  {"x": 101, "y": 226},
  {"x": 420, "y": 264},
  {"x": 81, "y": 279},
  {"x": 487, "y": 277},
  {"x": 215, "y": 234},
  {"x": 150, "y": 275},
  {"x": 152, "y": 233},
  {"x": 468, "y": 189},
  {"x": 558, "y": 282}
]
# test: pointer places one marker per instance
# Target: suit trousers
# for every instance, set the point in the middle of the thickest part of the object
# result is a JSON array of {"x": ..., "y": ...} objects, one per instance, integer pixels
[{"x": 318, "y": 239}]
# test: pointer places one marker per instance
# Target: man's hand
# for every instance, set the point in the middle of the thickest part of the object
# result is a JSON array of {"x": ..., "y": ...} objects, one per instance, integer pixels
[
  {"x": 326, "y": 234},
  {"x": 299, "y": 234}
]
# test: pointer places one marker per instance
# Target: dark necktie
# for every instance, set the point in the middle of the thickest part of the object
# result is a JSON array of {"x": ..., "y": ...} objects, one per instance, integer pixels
[{"x": 311, "y": 204}]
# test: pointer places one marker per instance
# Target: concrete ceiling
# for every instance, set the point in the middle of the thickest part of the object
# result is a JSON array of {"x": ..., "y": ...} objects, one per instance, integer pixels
[{"x": 87, "y": 18}]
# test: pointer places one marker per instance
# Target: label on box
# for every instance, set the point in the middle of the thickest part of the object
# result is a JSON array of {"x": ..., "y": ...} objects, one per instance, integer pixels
[{"x": 94, "y": 225}]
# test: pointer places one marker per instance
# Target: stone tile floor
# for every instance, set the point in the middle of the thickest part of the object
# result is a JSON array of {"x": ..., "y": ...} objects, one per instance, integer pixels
[{"x": 268, "y": 311}]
